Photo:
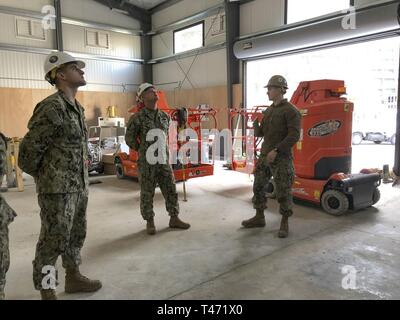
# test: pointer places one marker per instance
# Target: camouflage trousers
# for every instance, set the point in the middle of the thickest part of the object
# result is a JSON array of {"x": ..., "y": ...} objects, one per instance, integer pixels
[
  {"x": 7, "y": 215},
  {"x": 63, "y": 232},
  {"x": 4, "y": 256},
  {"x": 282, "y": 171},
  {"x": 149, "y": 177}
]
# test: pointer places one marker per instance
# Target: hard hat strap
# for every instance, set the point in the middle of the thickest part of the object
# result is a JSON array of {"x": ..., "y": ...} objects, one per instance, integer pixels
[{"x": 53, "y": 74}]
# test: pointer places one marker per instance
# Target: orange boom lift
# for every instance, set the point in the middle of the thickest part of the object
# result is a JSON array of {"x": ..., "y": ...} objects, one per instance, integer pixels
[
  {"x": 322, "y": 157},
  {"x": 126, "y": 164}
]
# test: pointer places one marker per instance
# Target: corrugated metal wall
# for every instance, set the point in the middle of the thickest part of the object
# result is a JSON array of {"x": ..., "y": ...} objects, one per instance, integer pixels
[
  {"x": 92, "y": 11},
  {"x": 181, "y": 10},
  {"x": 25, "y": 69},
  {"x": 8, "y": 34},
  {"x": 22, "y": 70},
  {"x": 260, "y": 15},
  {"x": 122, "y": 45},
  {"x": 208, "y": 69},
  {"x": 35, "y": 5},
  {"x": 112, "y": 76},
  {"x": 163, "y": 43}
]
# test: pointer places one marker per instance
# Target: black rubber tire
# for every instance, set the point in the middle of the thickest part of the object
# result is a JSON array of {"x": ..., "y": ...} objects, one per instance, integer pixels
[
  {"x": 119, "y": 168},
  {"x": 335, "y": 202},
  {"x": 376, "y": 196},
  {"x": 377, "y": 142},
  {"x": 100, "y": 169},
  {"x": 357, "y": 138}
]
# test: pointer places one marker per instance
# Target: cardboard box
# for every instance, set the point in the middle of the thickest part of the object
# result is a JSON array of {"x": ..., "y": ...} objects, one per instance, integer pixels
[
  {"x": 108, "y": 158},
  {"x": 109, "y": 169}
]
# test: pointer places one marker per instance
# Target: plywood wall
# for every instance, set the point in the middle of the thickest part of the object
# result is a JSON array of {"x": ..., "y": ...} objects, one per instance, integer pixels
[
  {"x": 16, "y": 106},
  {"x": 215, "y": 97},
  {"x": 96, "y": 104}
]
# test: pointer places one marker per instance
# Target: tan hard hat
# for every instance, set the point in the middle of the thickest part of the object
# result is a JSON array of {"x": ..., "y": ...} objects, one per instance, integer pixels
[
  {"x": 277, "y": 81},
  {"x": 142, "y": 88},
  {"x": 56, "y": 59}
]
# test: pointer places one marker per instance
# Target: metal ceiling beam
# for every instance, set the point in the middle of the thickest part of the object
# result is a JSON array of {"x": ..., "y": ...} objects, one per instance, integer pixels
[
  {"x": 66, "y": 20},
  {"x": 170, "y": 3},
  {"x": 163, "y": 5},
  {"x": 135, "y": 12},
  {"x": 46, "y": 51},
  {"x": 96, "y": 25},
  {"x": 21, "y": 12},
  {"x": 187, "y": 54},
  {"x": 189, "y": 20}
]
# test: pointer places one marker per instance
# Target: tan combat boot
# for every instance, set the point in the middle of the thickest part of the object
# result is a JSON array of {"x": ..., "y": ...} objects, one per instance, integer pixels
[
  {"x": 284, "y": 230},
  {"x": 258, "y": 221},
  {"x": 175, "y": 222},
  {"x": 150, "y": 227},
  {"x": 2, "y": 296},
  {"x": 76, "y": 282},
  {"x": 48, "y": 294}
]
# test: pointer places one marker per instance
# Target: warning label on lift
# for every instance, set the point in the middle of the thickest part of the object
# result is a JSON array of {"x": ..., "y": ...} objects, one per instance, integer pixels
[{"x": 324, "y": 128}]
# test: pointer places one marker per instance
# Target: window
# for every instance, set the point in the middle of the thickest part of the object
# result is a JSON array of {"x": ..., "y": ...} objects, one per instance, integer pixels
[
  {"x": 307, "y": 9},
  {"x": 95, "y": 38},
  {"x": 31, "y": 29},
  {"x": 189, "y": 38}
]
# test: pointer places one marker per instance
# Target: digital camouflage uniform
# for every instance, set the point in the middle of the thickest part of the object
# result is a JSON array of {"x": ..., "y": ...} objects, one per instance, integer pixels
[
  {"x": 7, "y": 215},
  {"x": 152, "y": 174},
  {"x": 54, "y": 152},
  {"x": 280, "y": 128}
]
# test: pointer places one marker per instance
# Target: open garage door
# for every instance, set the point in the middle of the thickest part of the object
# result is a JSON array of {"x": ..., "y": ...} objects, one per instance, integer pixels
[
  {"x": 366, "y": 58},
  {"x": 363, "y": 24},
  {"x": 370, "y": 72}
]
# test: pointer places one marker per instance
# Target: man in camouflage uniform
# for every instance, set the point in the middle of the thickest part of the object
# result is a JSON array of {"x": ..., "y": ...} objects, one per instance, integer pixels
[
  {"x": 54, "y": 152},
  {"x": 7, "y": 215},
  {"x": 280, "y": 128},
  {"x": 139, "y": 137}
]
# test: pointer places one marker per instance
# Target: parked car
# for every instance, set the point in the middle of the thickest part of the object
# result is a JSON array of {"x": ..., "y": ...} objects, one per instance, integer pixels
[{"x": 376, "y": 137}]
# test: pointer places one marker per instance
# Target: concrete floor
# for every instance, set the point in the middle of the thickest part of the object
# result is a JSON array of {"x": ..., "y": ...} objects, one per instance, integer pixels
[{"x": 216, "y": 258}]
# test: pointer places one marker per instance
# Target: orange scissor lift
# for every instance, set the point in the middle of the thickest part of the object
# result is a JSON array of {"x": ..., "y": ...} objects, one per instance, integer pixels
[
  {"x": 244, "y": 147},
  {"x": 322, "y": 157},
  {"x": 192, "y": 117}
]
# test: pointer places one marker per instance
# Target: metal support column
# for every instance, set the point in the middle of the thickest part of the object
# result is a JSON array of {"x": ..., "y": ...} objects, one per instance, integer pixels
[
  {"x": 146, "y": 48},
  {"x": 232, "y": 15},
  {"x": 59, "y": 38},
  {"x": 396, "y": 167}
]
